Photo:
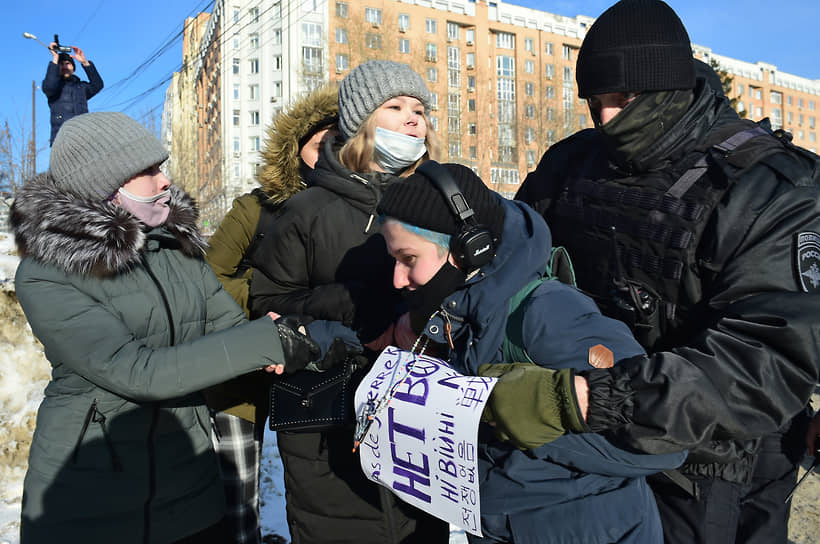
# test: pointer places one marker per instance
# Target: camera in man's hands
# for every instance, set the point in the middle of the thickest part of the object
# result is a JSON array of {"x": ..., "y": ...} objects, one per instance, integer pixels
[{"x": 61, "y": 48}]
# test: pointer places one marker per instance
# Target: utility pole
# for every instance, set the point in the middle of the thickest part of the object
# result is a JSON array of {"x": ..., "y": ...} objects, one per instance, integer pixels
[{"x": 33, "y": 131}]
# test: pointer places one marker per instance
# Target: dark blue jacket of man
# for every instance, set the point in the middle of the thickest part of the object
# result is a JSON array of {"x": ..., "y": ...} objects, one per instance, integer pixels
[{"x": 68, "y": 97}]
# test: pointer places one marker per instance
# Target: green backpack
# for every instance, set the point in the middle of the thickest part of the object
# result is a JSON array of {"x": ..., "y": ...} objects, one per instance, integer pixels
[{"x": 559, "y": 268}]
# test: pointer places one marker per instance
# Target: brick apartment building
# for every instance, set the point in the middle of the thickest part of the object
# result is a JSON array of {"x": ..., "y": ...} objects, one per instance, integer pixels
[{"x": 502, "y": 78}]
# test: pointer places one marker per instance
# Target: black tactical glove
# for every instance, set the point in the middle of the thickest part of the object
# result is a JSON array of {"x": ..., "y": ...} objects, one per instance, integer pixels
[
  {"x": 298, "y": 348},
  {"x": 530, "y": 405}
]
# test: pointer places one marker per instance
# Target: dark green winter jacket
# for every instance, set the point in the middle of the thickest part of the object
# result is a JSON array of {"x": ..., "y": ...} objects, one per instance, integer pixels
[{"x": 134, "y": 324}]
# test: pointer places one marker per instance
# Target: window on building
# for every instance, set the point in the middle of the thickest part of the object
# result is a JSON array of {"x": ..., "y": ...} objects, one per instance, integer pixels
[
  {"x": 254, "y": 118},
  {"x": 811, "y": 122},
  {"x": 277, "y": 63},
  {"x": 236, "y": 170},
  {"x": 471, "y": 128},
  {"x": 470, "y": 36},
  {"x": 277, "y": 89},
  {"x": 432, "y": 74},
  {"x": 253, "y": 92},
  {"x": 788, "y": 100},
  {"x": 473, "y": 152},
  {"x": 236, "y": 42},
  {"x": 453, "y": 31},
  {"x": 236, "y": 118},
  {"x": 312, "y": 59},
  {"x": 430, "y": 25},
  {"x": 811, "y": 105},
  {"x": 236, "y": 147},
  {"x": 434, "y": 101},
  {"x": 550, "y": 114},
  {"x": 455, "y": 148},
  {"x": 740, "y": 89},
  {"x": 453, "y": 58},
  {"x": 550, "y": 92},
  {"x": 530, "y": 157},
  {"x": 236, "y": 91},
  {"x": 404, "y": 45},
  {"x": 506, "y": 90},
  {"x": 776, "y": 97},
  {"x": 471, "y": 61},
  {"x": 471, "y": 82},
  {"x": 776, "y": 118},
  {"x": 236, "y": 63},
  {"x": 528, "y": 44},
  {"x": 548, "y": 48},
  {"x": 582, "y": 121},
  {"x": 759, "y": 111},
  {"x": 505, "y": 66},
  {"x": 568, "y": 79},
  {"x": 453, "y": 78},
  {"x": 551, "y": 137},
  {"x": 800, "y": 103},
  {"x": 471, "y": 104},
  {"x": 505, "y": 40},
  {"x": 254, "y": 14},
  {"x": 758, "y": 94},
  {"x": 276, "y": 12},
  {"x": 373, "y": 16},
  {"x": 529, "y": 89},
  {"x": 431, "y": 52},
  {"x": 312, "y": 34},
  {"x": 341, "y": 10},
  {"x": 253, "y": 40},
  {"x": 255, "y": 143},
  {"x": 254, "y": 65},
  {"x": 550, "y": 71},
  {"x": 373, "y": 40},
  {"x": 566, "y": 52},
  {"x": 434, "y": 123},
  {"x": 277, "y": 36},
  {"x": 341, "y": 35},
  {"x": 235, "y": 15},
  {"x": 342, "y": 62},
  {"x": 404, "y": 22},
  {"x": 529, "y": 135},
  {"x": 529, "y": 67},
  {"x": 529, "y": 111}
]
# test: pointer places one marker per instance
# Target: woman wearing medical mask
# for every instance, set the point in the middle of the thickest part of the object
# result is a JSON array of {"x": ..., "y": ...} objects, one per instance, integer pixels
[
  {"x": 326, "y": 259},
  {"x": 135, "y": 325}
]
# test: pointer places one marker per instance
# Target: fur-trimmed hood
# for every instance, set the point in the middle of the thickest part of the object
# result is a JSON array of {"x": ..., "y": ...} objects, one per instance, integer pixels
[
  {"x": 280, "y": 177},
  {"x": 88, "y": 237}
]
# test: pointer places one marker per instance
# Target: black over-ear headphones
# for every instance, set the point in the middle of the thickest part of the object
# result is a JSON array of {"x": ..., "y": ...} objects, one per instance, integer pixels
[{"x": 473, "y": 245}]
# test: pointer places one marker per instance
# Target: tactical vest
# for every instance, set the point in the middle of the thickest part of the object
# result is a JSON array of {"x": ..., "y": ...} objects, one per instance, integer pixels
[{"x": 635, "y": 240}]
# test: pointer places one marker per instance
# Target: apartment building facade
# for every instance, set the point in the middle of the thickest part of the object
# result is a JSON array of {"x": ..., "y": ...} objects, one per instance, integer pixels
[
  {"x": 502, "y": 78},
  {"x": 789, "y": 101}
]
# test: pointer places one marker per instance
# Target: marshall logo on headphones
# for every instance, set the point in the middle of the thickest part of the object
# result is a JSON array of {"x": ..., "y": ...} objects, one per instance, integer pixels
[
  {"x": 808, "y": 261},
  {"x": 481, "y": 250}
]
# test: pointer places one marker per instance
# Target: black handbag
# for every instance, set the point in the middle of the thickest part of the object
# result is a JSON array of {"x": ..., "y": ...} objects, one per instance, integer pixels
[{"x": 314, "y": 401}]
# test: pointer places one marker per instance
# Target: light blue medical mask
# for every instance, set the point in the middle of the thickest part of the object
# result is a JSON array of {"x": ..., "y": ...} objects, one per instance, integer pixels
[{"x": 395, "y": 151}]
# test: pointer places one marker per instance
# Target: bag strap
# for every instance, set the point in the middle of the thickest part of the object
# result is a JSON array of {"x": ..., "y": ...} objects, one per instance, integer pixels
[{"x": 559, "y": 268}]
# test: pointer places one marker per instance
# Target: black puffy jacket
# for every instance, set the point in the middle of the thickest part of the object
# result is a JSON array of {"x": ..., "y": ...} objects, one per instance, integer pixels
[
  {"x": 744, "y": 360},
  {"x": 69, "y": 97}
]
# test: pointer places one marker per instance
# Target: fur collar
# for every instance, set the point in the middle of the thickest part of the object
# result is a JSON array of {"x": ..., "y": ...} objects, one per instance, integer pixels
[{"x": 87, "y": 237}]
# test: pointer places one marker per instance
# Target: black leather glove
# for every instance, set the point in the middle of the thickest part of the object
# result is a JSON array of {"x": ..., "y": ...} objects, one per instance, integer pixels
[
  {"x": 298, "y": 348},
  {"x": 336, "y": 341}
]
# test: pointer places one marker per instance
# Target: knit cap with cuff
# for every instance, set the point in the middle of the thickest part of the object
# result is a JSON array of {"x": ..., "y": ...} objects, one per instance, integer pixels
[
  {"x": 415, "y": 200},
  {"x": 94, "y": 154},
  {"x": 635, "y": 46},
  {"x": 371, "y": 84}
]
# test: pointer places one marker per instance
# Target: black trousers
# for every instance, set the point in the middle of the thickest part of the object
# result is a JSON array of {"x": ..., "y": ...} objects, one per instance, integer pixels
[{"x": 726, "y": 513}]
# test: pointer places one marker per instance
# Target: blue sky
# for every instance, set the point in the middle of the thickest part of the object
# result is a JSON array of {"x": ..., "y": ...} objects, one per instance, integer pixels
[{"x": 120, "y": 37}]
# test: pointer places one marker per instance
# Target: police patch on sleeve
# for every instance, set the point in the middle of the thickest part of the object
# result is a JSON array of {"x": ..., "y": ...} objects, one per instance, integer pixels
[{"x": 808, "y": 261}]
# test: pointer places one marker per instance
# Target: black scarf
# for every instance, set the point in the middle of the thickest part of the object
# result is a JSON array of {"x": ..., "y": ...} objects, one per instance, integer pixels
[{"x": 425, "y": 300}]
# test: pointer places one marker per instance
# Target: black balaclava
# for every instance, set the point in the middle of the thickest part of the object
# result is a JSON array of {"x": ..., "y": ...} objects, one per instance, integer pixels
[{"x": 641, "y": 124}]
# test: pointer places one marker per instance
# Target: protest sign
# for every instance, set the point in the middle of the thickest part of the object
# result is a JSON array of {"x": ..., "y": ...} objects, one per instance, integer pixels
[{"x": 418, "y": 433}]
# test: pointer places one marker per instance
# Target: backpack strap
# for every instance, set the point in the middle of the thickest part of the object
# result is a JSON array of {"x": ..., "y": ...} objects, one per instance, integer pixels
[{"x": 559, "y": 268}]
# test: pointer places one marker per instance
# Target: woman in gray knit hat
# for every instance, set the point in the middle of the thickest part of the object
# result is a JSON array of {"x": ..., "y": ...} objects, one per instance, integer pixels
[
  {"x": 134, "y": 324},
  {"x": 326, "y": 258}
]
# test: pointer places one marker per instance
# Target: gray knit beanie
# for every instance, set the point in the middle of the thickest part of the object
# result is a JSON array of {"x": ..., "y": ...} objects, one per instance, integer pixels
[
  {"x": 371, "y": 84},
  {"x": 94, "y": 154}
]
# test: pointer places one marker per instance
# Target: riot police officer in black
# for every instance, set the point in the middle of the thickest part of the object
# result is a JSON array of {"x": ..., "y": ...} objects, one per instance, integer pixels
[{"x": 702, "y": 231}]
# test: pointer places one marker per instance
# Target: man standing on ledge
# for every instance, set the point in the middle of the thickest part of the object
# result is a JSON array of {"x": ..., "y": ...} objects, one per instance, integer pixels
[
  {"x": 701, "y": 231},
  {"x": 67, "y": 94}
]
